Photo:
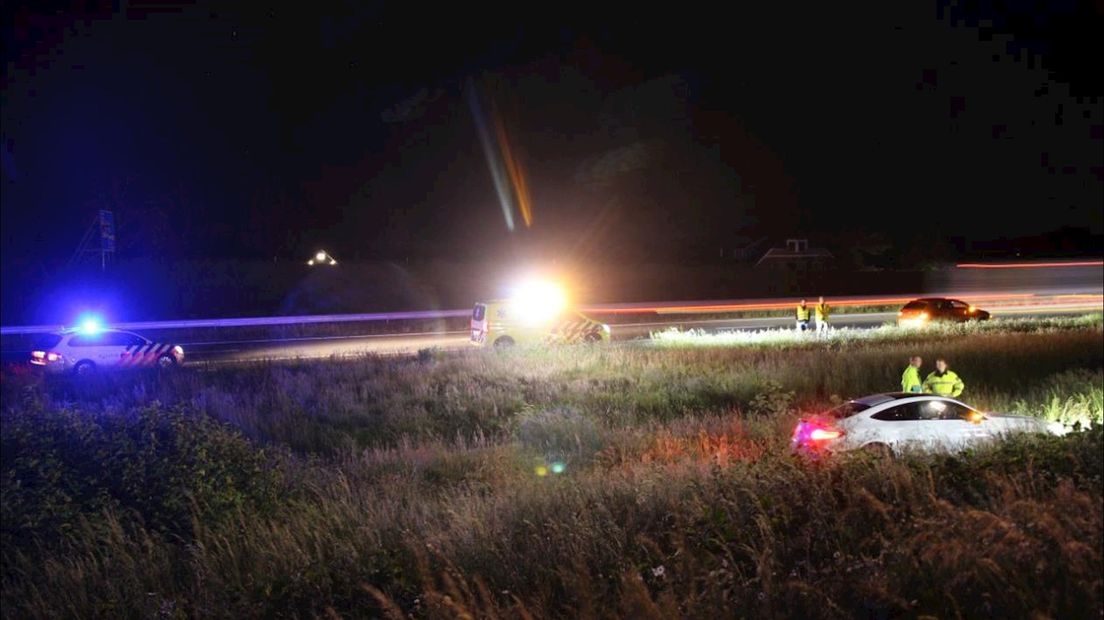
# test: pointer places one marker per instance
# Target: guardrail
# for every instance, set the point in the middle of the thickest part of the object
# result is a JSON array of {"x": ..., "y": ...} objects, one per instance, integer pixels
[
  {"x": 255, "y": 321},
  {"x": 667, "y": 307}
]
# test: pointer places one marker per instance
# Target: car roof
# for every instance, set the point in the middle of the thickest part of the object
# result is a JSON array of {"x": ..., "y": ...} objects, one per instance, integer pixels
[
  {"x": 927, "y": 299},
  {"x": 877, "y": 399},
  {"x": 873, "y": 399},
  {"x": 75, "y": 330}
]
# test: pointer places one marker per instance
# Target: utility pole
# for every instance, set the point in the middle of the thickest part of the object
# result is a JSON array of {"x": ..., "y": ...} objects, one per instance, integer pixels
[{"x": 103, "y": 228}]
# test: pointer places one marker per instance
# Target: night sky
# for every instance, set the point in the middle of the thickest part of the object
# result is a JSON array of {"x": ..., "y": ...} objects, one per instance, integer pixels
[{"x": 220, "y": 131}]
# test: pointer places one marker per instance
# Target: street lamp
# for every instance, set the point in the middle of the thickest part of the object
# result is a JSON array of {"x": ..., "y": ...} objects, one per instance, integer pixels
[{"x": 321, "y": 257}]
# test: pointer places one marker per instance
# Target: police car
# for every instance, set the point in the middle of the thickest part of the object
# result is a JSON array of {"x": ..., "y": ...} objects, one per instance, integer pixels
[
  {"x": 83, "y": 351},
  {"x": 504, "y": 323}
]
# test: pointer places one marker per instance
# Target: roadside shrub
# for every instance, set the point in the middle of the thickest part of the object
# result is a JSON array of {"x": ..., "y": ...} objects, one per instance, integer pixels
[
  {"x": 773, "y": 400},
  {"x": 160, "y": 468}
]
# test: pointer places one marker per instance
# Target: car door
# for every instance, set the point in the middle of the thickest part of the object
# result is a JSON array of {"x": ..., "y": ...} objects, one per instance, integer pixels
[
  {"x": 960, "y": 310},
  {"x": 894, "y": 426},
  {"x": 943, "y": 425},
  {"x": 943, "y": 310},
  {"x": 132, "y": 350},
  {"x": 90, "y": 347}
]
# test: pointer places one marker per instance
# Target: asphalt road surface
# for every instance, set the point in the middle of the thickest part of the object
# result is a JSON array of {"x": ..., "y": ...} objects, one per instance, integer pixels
[{"x": 256, "y": 350}]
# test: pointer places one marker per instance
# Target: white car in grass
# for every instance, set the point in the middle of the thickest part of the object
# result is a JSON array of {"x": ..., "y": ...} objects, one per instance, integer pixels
[
  {"x": 890, "y": 423},
  {"x": 86, "y": 351}
]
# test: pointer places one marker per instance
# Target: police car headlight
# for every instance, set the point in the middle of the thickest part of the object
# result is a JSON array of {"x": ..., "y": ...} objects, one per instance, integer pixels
[
  {"x": 178, "y": 350},
  {"x": 605, "y": 328}
]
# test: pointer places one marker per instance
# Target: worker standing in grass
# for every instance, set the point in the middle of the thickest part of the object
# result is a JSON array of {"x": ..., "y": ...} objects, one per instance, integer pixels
[
  {"x": 944, "y": 381},
  {"x": 802, "y": 316},
  {"x": 821, "y": 310},
  {"x": 910, "y": 379}
]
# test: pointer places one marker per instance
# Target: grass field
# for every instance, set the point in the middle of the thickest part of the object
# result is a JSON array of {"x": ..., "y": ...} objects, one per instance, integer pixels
[{"x": 646, "y": 480}]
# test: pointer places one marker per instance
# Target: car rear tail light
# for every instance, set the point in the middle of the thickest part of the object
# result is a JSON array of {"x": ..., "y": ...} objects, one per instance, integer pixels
[
  {"x": 44, "y": 357},
  {"x": 824, "y": 434},
  {"x": 814, "y": 434}
]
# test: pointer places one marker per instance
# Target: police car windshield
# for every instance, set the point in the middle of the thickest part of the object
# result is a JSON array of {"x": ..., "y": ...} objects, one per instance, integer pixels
[{"x": 848, "y": 409}]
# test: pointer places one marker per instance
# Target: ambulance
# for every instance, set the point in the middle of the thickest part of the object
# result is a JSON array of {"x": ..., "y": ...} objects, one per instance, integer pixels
[{"x": 537, "y": 314}]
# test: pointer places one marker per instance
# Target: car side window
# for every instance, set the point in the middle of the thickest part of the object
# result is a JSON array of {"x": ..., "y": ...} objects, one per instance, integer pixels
[
  {"x": 955, "y": 411},
  {"x": 900, "y": 413},
  {"x": 930, "y": 409},
  {"x": 112, "y": 339},
  {"x": 959, "y": 305},
  {"x": 82, "y": 340},
  {"x": 941, "y": 410}
]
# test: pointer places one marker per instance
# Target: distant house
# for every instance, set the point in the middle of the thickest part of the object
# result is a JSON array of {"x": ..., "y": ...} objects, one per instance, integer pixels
[{"x": 796, "y": 257}]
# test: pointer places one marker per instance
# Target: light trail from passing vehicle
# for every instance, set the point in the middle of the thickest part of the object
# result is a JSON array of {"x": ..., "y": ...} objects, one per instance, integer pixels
[{"x": 1050, "y": 265}]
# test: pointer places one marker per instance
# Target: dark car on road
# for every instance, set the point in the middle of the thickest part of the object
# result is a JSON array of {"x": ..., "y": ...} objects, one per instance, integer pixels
[{"x": 920, "y": 312}]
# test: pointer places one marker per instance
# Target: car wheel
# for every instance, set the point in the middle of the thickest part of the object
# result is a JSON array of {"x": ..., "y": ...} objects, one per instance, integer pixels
[
  {"x": 84, "y": 368},
  {"x": 166, "y": 362},
  {"x": 592, "y": 338},
  {"x": 503, "y": 342},
  {"x": 878, "y": 450}
]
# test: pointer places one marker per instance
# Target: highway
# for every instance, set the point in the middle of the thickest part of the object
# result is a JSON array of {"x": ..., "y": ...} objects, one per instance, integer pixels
[
  {"x": 224, "y": 352},
  {"x": 625, "y": 323},
  {"x": 386, "y": 344}
]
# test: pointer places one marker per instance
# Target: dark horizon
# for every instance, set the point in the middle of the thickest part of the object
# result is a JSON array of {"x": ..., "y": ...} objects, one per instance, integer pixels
[{"x": 259, "y": 134}]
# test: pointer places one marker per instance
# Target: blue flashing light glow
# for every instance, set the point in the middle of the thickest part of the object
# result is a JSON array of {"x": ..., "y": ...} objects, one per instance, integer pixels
[
  {"x": 90, "y": 325},
  {"x": 558, "y": 467}
]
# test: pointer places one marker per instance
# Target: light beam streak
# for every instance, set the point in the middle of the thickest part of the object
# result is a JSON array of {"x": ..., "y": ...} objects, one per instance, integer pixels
[
  {"x": 504, "y": 195},
  {"x": 1051, "y": 265}
]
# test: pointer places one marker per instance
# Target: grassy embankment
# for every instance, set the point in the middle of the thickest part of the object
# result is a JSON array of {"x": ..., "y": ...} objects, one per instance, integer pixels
[{"x": 429, "y": 485}]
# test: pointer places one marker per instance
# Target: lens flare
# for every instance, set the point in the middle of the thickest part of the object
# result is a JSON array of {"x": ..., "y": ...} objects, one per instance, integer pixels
[
  {"x": 516, "y": 172},
  {"x": 505, "y": 198}
]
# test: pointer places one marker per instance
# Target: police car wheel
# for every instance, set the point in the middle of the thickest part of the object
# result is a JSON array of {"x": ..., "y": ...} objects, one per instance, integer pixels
[
  {"x": 84, "y": 368},
  {"x": 166, "y": 361},
  {"x": 504, "y": 341},
  {"x": 592, "y": 338}
]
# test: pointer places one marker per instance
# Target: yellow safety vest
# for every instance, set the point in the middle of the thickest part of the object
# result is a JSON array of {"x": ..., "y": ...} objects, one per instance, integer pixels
[
  {"x": 803, "y": 313},
  {"x": 947, "y": 384},
  {"x": 822, "y": 312}
]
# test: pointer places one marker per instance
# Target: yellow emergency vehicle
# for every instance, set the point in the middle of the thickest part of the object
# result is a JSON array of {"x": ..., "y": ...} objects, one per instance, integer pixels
[{"x": 505, "y": 323}]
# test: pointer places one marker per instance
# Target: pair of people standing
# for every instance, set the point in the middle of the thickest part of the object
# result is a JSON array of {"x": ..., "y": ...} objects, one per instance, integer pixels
[
  {"x": 820, "y": 311},
  {"x": 942, "y": 381}
]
